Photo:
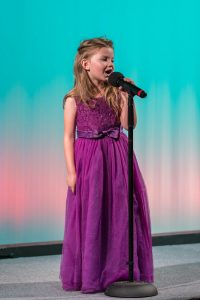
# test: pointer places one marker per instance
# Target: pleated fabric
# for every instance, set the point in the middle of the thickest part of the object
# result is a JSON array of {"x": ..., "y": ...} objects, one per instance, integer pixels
[{"x": 95, "y": 244}]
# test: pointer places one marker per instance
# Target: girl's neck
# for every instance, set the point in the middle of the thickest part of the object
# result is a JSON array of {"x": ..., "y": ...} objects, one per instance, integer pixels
[
  {"x": 101, "y": 92},
  {"x": 100, "y": 89},
  {"x": 99, "y": 95}
]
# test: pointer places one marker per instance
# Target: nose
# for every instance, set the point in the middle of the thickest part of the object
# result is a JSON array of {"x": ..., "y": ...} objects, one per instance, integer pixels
[{"x": 111, "y": 64}]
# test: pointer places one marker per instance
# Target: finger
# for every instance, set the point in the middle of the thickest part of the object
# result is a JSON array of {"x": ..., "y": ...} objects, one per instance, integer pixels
[
  {"x": 74, "y": 189},
  {"x": 129, "y": 80}
]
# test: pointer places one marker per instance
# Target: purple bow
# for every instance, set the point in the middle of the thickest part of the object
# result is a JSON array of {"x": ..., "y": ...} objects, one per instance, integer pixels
[{"x": 111, "y": 132}]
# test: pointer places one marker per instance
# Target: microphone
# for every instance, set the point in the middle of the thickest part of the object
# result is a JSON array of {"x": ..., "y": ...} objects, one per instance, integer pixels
[{"x": 117, "y": 79}]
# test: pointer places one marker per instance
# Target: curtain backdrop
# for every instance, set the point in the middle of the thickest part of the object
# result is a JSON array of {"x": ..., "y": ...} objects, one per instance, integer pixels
[{"x": 157, "y": 45}]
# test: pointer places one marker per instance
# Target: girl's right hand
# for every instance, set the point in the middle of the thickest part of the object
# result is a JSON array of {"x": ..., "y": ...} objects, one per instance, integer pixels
[{"x": 71, "y": 181}]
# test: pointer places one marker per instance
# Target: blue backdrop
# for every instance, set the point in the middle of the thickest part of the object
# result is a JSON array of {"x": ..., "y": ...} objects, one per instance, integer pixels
[{"x": 157, "y": 45}]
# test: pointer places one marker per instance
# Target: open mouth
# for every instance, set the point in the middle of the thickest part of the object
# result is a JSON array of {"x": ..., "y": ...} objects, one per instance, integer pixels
[{"x": 108, "y": 72}]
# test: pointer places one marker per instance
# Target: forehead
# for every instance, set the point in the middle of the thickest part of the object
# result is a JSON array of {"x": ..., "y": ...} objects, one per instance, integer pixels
[{"x": 105, "y": 51}]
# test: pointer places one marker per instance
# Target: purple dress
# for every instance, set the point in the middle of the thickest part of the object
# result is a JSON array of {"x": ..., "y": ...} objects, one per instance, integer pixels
[{"x": 95, "y": 245}]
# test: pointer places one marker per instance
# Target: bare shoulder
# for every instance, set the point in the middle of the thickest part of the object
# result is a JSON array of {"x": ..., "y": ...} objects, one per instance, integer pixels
[
  {"x": 69, "y": 101},
  {"x": 70, "y": 110},
  {"x": 70, "y": 105}
]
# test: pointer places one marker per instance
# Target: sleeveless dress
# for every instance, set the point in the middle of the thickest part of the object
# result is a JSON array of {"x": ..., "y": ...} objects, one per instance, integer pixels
[{"x": 95, "y": 245}]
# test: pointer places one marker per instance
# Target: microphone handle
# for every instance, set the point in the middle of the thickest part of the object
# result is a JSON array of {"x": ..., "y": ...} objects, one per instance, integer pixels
[{"x": 132, "y": 89}]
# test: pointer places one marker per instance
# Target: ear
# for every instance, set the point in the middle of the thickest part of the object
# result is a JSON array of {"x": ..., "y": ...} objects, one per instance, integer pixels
[{"x": 85, "y": 64}]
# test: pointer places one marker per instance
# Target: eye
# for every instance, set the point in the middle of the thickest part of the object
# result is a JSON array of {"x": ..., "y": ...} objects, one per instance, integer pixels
[{"x": 105, "y": 59}]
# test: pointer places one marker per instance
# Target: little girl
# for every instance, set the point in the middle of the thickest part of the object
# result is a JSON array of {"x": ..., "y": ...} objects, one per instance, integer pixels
[{"x": 95, "y": 246}]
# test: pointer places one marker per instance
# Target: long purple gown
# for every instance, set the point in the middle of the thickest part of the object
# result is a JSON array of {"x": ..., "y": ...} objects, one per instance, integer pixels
[{"x": 95, "y": 245}]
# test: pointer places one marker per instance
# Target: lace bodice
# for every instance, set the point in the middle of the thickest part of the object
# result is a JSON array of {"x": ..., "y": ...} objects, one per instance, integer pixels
[{"x": 97, "y": 119}]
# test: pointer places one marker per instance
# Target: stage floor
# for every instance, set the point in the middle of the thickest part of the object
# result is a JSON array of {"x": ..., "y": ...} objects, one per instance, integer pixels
[{"x": 177, "y": 276}]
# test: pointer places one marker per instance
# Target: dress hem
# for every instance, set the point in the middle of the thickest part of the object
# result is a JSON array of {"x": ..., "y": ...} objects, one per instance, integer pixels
[{"x": 76, "y": 286}]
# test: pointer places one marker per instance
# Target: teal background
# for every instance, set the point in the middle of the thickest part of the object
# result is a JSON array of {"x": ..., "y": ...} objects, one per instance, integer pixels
[{"x": 157, "y": 45}]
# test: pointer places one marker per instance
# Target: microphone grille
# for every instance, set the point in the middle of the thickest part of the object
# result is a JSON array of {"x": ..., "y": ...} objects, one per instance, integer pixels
[{"x": 114, "y": 78}]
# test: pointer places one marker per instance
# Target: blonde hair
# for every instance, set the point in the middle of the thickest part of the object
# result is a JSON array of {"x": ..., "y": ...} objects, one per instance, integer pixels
[{"x": 84, "y": 88}]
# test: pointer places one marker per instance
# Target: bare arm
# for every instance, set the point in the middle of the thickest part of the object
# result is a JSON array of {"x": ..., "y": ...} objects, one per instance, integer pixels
[
  {"x": 124, "y": 113},
  {"x": 69, "y": 133}
]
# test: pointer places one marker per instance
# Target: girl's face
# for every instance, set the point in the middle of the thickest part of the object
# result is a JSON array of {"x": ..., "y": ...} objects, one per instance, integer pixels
[{"x": 100, "y": 65}]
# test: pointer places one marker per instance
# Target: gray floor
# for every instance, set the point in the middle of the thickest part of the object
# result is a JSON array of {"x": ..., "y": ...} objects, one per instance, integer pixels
[{"x": 177, "y": 276}]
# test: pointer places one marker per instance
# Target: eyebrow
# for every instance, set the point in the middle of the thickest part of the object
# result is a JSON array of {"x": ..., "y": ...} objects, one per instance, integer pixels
[{"x": 107, "y": 56}]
